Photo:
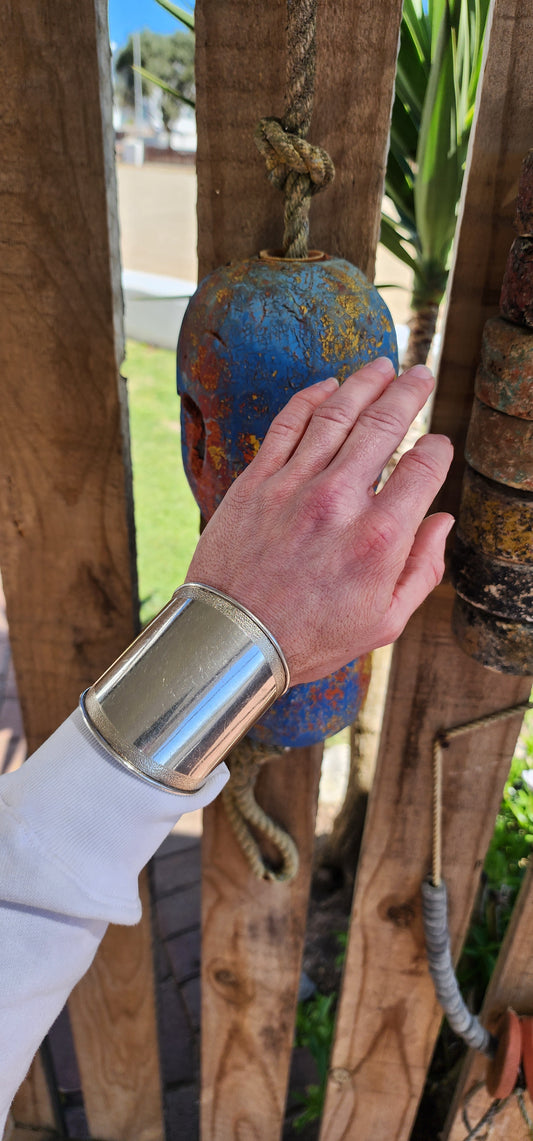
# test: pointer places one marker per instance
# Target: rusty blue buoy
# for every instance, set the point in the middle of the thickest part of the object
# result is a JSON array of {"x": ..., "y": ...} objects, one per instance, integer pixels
[{"x": 254, "y": 333}]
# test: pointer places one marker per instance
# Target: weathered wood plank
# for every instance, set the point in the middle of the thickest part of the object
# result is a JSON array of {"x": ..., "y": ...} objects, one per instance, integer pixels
[
  {"x": 32, "y": 1104},
  {"x": 67, "y": 551},
  {"x": 252, "y": 941},
  {"x": 66, "y": 554},
  {"x": 14, "y": 1132},
  {"x": 241, "y": 78},
  {"x": 113, "y": 1014},
  {"x": 253, "y": 932},
  {"x": 388, "y": 1019},
  {"x": 511, "y": 985}
]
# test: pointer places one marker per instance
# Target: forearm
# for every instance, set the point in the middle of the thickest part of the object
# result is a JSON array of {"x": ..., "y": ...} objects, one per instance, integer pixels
[{"x": 76, "y": 830}]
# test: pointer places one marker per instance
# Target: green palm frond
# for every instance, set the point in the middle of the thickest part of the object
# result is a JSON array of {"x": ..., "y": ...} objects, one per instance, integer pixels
[
  {"x": 179, "y": 13},
  {"x": 151, "y": 78},
  {"x": 439, "y": 65}
]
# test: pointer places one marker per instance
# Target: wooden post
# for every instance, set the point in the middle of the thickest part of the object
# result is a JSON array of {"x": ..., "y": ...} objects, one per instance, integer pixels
[
  {"x": 66, "y": 531},
  {"x": 252, "y": 941},
  {"x": 32, "y": 1103},
  {"x": 241, "y": 78},
  {"x": 252, "y": 931},
  {"x": 388, "y": 1018}
]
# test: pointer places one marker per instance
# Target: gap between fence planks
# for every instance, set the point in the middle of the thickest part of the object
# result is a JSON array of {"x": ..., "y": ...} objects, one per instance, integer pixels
[
  {"x": 511, "y": 985},
  {"x": 67, "y": 550},
  {"x": 388, "y": 1019},
  {"x": 248, "y": 1008}
]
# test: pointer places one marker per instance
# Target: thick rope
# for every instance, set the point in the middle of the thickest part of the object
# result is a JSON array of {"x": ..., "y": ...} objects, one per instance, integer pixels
[
  {"x": 439, "y": 956},
  {"x": 293, "y": 165},
  {"x": 301, "y": 65},
  {"x": 243, "y": 811},
  {"x": 435, "y": 904}
]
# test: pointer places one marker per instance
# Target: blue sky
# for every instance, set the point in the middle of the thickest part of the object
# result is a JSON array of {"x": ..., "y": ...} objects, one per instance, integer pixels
[{"x": 126, "y": 16}]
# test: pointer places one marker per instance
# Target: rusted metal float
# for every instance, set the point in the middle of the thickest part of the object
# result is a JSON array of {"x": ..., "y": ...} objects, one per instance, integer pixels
[
  {"x": 492, "y": 564},
  {"x": 254, "y": 333}
]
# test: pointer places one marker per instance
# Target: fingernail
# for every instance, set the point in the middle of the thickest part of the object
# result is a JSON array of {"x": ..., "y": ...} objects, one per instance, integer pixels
[
  {"x": 383, "y": 365},
  {"x": 420, "y": 370},
  {"x": 330, "y": 382},
  {"x": 449, "y": 525}
]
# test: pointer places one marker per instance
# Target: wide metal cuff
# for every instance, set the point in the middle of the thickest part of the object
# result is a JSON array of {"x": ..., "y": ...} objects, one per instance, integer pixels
[{"x": 187, "y": 690}]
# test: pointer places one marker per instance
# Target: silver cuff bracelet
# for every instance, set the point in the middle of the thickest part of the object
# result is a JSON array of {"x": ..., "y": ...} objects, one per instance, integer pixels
[{"x": 187, "y": 690}]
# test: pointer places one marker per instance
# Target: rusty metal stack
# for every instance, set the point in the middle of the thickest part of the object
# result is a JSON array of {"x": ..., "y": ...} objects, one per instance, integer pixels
[{"x": 492, "y": 563}]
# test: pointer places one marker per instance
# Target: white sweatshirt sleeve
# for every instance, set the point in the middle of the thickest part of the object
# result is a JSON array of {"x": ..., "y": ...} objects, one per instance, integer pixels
[{"x": 76, "y": 828}]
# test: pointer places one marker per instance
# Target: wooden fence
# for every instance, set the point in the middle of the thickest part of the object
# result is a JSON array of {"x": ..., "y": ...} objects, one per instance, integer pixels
[{"x": 69, "y": 572}]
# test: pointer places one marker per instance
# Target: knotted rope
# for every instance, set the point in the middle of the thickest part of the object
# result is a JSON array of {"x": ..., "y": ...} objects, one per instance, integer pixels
[
  {"x": 293, "y": 164},
  {"x": 244, "y": 813},
  {"x": 435, "y": 903}
]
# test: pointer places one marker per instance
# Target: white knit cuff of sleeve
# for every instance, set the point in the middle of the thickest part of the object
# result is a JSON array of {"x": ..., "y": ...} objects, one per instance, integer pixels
[{"x": 77, "y": 827}]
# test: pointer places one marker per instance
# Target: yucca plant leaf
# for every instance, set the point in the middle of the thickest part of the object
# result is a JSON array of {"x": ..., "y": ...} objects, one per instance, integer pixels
[
  {"x": 463, "y": 54},
  {"x": 151, "y": 78},
  {"x": 404, "y": 131},
  {"x": 436, "y": 16},
  {"x": 390, "y": 238},
  {"x": 439, "y": 64},
  {"x": 180, "y": 13},
  {"x": 411, "y": 73},
  {"x": 479, "y": 14},
  {"x": 418, "y": 23},
  {"x": 438, "y": 179},
  {"x": 399, "y": 188}
]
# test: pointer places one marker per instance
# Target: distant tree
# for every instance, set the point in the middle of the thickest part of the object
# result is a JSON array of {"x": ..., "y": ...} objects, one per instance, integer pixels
[{"x": 169, "y": 60}]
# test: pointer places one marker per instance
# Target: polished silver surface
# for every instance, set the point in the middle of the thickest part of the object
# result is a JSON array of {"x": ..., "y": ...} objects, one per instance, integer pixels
[{"x": 187, "y": 690}]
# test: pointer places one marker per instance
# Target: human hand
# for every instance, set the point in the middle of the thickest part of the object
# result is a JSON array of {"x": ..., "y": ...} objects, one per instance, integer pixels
[{"x": 301, "y": 539}]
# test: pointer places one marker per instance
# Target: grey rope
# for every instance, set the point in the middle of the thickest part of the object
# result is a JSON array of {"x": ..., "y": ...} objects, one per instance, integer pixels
[
  {"x": 293, "y": 164},
  {"x": 245, "y": 813},
  {"x": 435, "y": 903},
  {"x": 439, "y": 956}
]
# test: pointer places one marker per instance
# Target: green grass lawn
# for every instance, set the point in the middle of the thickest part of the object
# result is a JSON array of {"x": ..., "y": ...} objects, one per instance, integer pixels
[{"x": 166, "y": 516}]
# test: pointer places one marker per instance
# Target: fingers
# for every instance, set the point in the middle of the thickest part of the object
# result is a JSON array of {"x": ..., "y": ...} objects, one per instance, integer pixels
[
  {"x": 288, "y": 427},
  {"x": 334, "y": 418},
  {"x": 423, "y": 570},
  {"x": 414, "y": 483},
  {"x": 381, "y": 426}
]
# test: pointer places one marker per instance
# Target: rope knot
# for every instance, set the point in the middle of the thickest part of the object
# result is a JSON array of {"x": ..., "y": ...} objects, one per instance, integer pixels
[{"x": 285, "y": 152}]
